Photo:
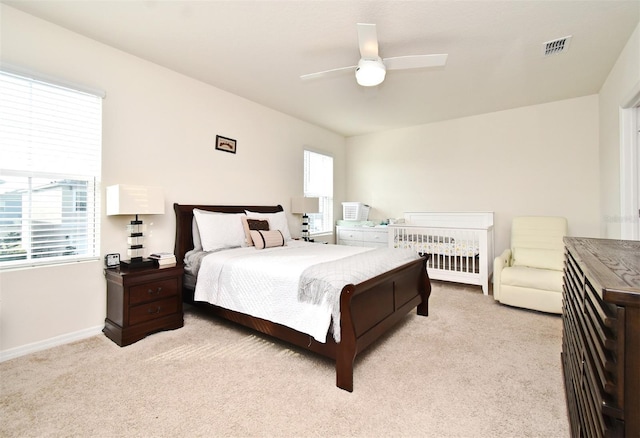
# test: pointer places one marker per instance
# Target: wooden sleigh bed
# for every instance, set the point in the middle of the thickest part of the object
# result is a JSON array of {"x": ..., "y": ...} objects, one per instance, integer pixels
[{"x": 367, "y": 310}]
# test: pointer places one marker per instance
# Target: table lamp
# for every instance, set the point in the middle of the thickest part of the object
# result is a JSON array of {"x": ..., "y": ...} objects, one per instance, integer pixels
[
  {"x": 303, "y": 205},
  {"x": 135, "y": 200}
]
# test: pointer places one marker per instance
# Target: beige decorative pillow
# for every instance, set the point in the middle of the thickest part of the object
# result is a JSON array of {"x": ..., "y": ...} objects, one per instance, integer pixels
[
  {"x": 267, "y": 239},
  {"x": 253, "y": 224}
]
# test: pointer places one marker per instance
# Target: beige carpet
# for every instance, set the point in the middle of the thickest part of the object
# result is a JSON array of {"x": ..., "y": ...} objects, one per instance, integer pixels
[{"x": 473, "y": 368}]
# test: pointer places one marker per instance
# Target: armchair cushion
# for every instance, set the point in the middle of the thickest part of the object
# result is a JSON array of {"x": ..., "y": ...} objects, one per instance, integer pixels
[
  {"x": 532, "y": 278},
  {"x": 539, "y": 258}
]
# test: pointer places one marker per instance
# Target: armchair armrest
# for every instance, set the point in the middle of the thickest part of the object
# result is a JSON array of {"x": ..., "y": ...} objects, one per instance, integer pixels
[{"x": 499, "y": 263}]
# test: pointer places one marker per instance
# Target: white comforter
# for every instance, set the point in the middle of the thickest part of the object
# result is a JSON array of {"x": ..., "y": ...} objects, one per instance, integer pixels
[{"x": 264, "y": 283}]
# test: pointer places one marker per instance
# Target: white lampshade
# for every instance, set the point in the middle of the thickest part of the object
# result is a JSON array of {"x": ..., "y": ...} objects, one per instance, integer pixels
[
  {"x": 301, "y": 205},
  {"x": 134, "y": 200}
]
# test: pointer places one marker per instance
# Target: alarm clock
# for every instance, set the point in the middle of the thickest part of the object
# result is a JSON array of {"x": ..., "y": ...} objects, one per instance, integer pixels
[{"x": 112, "y": 260}]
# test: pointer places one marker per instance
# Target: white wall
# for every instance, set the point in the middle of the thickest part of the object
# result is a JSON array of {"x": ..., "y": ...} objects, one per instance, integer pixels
[
  {"x": 536, "y": 160},
  {"x": 159, "y": 128},
  {"x": 622, "y": 80}
]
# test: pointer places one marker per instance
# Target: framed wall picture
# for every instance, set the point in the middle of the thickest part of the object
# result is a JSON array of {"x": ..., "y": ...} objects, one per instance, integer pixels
[{"x": 225, "y": 144}]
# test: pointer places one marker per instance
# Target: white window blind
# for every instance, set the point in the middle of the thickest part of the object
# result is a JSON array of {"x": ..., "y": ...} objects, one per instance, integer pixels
[
  {"x": 50, "y": 152},
  {"x": 318, "y": 182}
]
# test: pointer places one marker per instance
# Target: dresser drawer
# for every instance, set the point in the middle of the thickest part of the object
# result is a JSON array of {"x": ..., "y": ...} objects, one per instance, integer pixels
[
  {"x": 153, "y": 310},
  {"x": 350, "y": 235},
  {"x": 377, "y": 238},
  {"x": 153, "y": 291}
]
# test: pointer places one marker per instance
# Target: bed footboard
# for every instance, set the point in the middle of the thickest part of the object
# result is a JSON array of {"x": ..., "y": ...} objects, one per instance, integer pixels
[{"x": 371, "y": 308}]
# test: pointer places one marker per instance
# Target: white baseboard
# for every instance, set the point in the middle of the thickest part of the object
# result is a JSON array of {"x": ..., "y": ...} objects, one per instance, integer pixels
[{"x": 49, "y": 343}]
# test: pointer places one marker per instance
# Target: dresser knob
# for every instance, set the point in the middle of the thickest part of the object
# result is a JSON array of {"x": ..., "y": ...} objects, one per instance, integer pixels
[
  {"x": 155, "y": 292},
  {"x": 151, "y": 311}
]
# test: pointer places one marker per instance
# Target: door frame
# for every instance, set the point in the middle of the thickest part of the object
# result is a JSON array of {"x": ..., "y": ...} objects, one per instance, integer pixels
[{"x": 630, "y": 166}]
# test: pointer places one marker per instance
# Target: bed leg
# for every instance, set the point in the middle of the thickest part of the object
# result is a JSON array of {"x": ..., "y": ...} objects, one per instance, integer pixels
[
  {"x": 346, "y": 351},
  {"x": 344, "y": 369},
  {"x": 425, "y": 290}
]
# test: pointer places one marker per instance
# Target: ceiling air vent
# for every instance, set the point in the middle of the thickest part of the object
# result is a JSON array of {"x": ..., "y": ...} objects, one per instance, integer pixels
[{"x": 556, "y": 46}]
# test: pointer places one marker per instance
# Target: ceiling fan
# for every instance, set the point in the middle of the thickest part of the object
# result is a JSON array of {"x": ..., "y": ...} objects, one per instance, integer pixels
[{"x": 371, "y": 69}]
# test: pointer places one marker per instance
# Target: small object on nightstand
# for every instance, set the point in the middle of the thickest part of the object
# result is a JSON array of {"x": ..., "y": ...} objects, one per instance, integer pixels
[
  {"x": 137, "y": 263},
  {"x": 162, "y": 255},
  {"x": 163, "y": 259},
  {"x": 112, "y": 260}
]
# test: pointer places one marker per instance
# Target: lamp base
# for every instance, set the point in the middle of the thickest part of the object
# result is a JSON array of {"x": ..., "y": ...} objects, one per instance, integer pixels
[
  {"x": 305, "y": 227},
  {"x": 137, "y": 263}
]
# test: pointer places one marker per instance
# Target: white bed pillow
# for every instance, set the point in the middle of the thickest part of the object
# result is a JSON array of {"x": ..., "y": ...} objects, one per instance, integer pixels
[
  {"x": 219, "y": 230},
  {"x": 195, "y": 233},
  {"x": 277, "y": 221}
]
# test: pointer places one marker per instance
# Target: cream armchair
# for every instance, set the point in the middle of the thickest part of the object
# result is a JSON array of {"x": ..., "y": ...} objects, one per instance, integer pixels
[{"x": 529, "y": 274}]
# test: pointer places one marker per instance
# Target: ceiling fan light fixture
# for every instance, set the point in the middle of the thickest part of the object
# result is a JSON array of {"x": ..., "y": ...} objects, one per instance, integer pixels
[
  {"x": 372, "y": 69},
  {"x": 370, "y": 72}
]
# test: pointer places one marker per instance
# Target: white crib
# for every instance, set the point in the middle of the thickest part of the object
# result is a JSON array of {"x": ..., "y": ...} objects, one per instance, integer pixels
[{"x": 460, "y": 244}]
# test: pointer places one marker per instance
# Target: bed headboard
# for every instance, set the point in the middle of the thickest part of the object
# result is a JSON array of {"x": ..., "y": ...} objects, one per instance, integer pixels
[{"x": 184, "y": 220}]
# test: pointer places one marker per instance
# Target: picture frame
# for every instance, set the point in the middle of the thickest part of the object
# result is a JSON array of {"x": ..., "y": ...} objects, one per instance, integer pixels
[{"x": 225, "y": 144}]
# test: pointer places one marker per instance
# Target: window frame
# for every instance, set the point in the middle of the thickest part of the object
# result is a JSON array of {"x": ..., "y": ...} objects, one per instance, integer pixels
[
  {"x": 326, "y": 214},
  {"x": 61, "y": 204}
]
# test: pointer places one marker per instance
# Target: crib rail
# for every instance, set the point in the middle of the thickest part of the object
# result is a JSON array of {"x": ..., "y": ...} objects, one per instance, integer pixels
[{"x": 456, "y": 254}]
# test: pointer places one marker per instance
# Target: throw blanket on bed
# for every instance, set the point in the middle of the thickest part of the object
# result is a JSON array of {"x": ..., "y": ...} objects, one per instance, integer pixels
[
  {"x": 322, "y": 283},
  {"x": 264, "y": 283}
]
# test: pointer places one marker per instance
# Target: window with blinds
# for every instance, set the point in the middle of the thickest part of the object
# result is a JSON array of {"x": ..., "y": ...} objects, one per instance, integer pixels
[
  {"x": 318, "y": 182},
  {"x": 50, "y": 151}
]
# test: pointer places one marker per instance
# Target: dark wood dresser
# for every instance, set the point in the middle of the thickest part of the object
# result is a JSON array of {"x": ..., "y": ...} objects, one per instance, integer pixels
[
  {"x": 601, "y": 336},
  {"x": 141, "y": 302}
]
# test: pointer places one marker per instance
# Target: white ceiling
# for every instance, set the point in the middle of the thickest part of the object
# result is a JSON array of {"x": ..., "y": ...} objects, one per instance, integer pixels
[{"x": 258, "y": 50}]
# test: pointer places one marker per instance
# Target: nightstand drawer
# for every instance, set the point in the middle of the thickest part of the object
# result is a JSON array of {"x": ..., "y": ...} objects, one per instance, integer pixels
[
  {"x": 153, "y": 310},
  {"x": 153, "y": 291}
]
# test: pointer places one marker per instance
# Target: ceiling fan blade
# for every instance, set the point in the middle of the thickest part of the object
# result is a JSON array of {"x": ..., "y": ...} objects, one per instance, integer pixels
[
  {"x": 415, "y": 61},
  {"x": 368, "y": 40},
  {"x": 327, "y": 73}
]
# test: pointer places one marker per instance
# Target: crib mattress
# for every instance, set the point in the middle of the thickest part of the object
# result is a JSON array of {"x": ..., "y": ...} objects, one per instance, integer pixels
[{"x": 428, "y": 244}]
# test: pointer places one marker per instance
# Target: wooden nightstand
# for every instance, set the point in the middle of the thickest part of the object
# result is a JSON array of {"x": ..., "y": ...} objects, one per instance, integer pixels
[{"x": 141, "y": 302}]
